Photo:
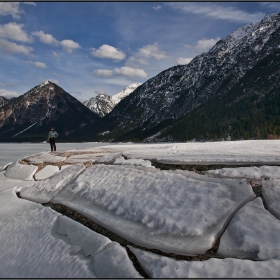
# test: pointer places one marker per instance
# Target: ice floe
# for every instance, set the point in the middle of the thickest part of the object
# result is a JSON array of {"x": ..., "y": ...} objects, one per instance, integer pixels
[
  {"x": 4, "y": 167},
  {"x": 44, "y": 157},
  {"x": 108, "y": 159},
  {"x": 82, "y": 158},
  {"x": 43, "y": 191},
  {"x": 37, "y": 242},
  {"x": 163, "y": 267},
  {"x": 21, "y": 171},
  {"x": 135, "y": 162},
  {"x": 253, "y": 233},
  {"x": 155, "y": 209},
  {"x": 46, "y": 172},
  {"x": 271, "y": 195}
]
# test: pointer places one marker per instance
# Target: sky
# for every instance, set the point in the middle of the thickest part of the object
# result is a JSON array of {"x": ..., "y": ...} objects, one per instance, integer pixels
[{"x": 88, "y": 48}]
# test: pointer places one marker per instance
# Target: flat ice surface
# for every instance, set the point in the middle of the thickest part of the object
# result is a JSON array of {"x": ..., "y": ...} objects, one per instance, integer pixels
[
  {"x": 135, "y": 162},
  {"x": 82, "y": 158},
  {"x": 46, "y": 172},
  {"x": 14, "y": 151},
  {"x": 43, "y": 191},
  {"x": 20, "y": 171},
  {"x": 64, "y": 166},
  {"x": 156, "y": 209},
  {"x": 44, "y": 157},
  {"x": 271, "y": 195},
  {"x": 265, "y": 152},
  {"x": 253, "y": 233},
  {"x": 37, "y": 242},
  {"x": 270, "y": 171},
  {"x": 163, "y": 267}
]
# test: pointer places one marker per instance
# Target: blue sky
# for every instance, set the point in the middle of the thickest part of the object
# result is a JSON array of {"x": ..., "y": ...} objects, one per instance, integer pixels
[{"x": 101, "y": 47}]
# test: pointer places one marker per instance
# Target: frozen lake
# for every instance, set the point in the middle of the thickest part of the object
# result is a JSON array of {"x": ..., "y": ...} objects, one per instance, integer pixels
[{"x": 10, "y": 152}]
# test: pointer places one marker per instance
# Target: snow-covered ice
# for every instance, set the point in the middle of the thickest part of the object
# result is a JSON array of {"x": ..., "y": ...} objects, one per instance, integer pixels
[
  {"x": 21, "y": 171},
  {"x": 46, "y": 172},
  {"x": 163, "y": 267},
  {"x": 4, "y": 167},
  {"x": 43, "y": 191},
  {"x": 271, "y": 195},
  {"x": 108, "y": 158},
  {"x": 44, "y": 157},
  {"x": 37, "y": 242},
  {"x": 270, "y": 171},
  {"x": 156, "y": 209},
  {"x": 253, "y": 233},
  {"x": 6, "y": 183},
  {"x": 135, "y": 162},
  {"x": 82, "y": 158}
]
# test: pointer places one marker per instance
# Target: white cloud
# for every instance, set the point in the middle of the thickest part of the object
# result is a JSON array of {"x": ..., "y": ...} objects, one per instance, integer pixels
[
  {"x": 183, "y": 60},
  {"x": 125, "y": 71},
  {"x": 152, "y": 51},
  {"x": 45, "y": 38},
  {"x": 36, "y": 64},
  {"x": 69, "y": 45},
  {"x": 108, "y": 52},
  {"x": 29, "y": 3},
  {"x": 104, "y": 73},
  {"x": 9, "y": 47},
  {"x": 217, "y": 11},
  {"x": 203, "y": 44},
  {"x": 131, "y": 72},
  {"x": 15, "y": 32},
  {"x": 8, "y": 94},
  {"x": 158, "y": 7},
  {"x": 10, "y": 8}
]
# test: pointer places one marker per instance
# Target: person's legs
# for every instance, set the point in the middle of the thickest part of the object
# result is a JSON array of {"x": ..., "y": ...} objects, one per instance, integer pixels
[
  {"x": 54, "y": 144},
  {"x": 51, "y": 143}
]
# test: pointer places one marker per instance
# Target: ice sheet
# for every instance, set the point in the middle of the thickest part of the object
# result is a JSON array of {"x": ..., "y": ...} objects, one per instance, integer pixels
[
  {"x": 271, "y": 195},
  {"x": 82, "y": 158},
  {"x": 253, "y": 233},
  {"x": 270, "y": 171},
  {"x": 20, "y": 171},
  {"x": 155, "y": 209},
  {"x": 163, "y": 267},
  {"x": 135, "y": 162},
  {"x": 249, "y": 173},
  {"x": 6, "y": 183},
  {"x": 43, "y": 191},
  {"x": 110, "y": 260},
  {"x": 44, "y": 157},
  {"x": 46, "y": 172},
  {"x": 108, "y": 159},
  {"x": 28, "y": 247}
]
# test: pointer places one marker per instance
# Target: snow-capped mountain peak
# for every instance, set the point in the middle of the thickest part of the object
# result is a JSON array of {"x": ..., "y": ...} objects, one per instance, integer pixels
[{"x": 116, "y": 98}]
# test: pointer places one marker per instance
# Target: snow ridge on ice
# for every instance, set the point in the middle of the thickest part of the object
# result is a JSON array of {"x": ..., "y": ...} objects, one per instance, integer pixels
[
  {"x": 163, "y": 267},
  {"x": 253, "y": 233},
  {"x": 153, "y": 208}
]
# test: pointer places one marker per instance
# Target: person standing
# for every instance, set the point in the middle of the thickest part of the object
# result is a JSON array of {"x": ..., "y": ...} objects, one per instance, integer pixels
[{"x": 52, "y": 135}]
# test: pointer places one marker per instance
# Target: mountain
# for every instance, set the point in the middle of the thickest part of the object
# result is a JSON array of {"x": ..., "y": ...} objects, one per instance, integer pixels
[
  {"x": 103, "y": 104},
  {"x": 3, "y": 101},
  {"x": 30, "y": 116},
  {"x": 178, "y": 91}
]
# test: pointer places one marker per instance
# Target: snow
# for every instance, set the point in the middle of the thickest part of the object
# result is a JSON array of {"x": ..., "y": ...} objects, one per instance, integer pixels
[
  {"x": 116, "y": 98},
  {"x": 37, "y": 242},
  {"x": 135, "y": 162},
  {"x": 44, "y": 157},
  {"x": 25, "y": 129},
  {"x": 163, "y": 267},
  {"x": 46, "y": 172},
  {"x": 155, "y": 209},
  {"x": 253, "y": 233},
  {"x": 270, "y": 171},
  {"x": 20, "y": 171},
  {"x": 271, "y": 195},
  {"x": 43, "y": 191}
]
